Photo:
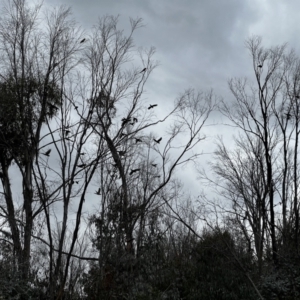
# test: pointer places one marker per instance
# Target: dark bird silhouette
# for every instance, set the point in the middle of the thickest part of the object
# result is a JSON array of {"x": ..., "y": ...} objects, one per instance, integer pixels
[
  {"x": 143, "y": 70},
  {"x": 138, "y": 140},
  {"x": 82, "y": 41},
  {"x": 157, "y": 141},
  {"x": 125, "y": 120},
  {"x": 135, "y": 120},
  {"x": 288, "y": 116},
  {"x": 297, "y": 97},
  {"x": 154, "y": 165},
  {"x": 82, "y": 153},
  {"x": 133, "y": 171},
  {"x": 81, "y": 166},
  {"x": 75, "y": 182},
  {"x": 67, "y": 132},
  {"x": 76, "y": 107},
  {"x": 52, "y": 106},
  {"x": 47, "y": 153},
  {"x": 122, "y": 153},
  {"x": 152, "y": 105},
  {"x": 259, "y": 66},
  {"x": 97, "y": 192}
]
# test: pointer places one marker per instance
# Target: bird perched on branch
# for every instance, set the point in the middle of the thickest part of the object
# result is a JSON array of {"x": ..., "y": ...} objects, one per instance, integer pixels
[
  {"x": 47, "y": 153},
  {"x": 67, "y": 132},
  {"x": 143, "y": 70},
  {"x": 154, "y": 165},
  {"x": 259, "y": 66},
  {"x": 81, "y": 166},
  {"x": 138, "y": 140},
  {"x": 133, "y": 171},
  {"x": 125, "y": 120},
  {"x": 152, "y": 106},
  {"x": 97, "y": 192},
  {"x": 122, "y": 153},
  {"x": 288, "y": 116},
  {"x": 52, "y": 106},
  {"x": 82, "y": 41},
  {"x": 157, "y": 141}
]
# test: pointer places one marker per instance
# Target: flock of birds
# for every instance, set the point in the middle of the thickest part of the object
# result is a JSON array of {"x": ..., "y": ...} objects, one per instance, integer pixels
[{"x": 124, "y": 121}]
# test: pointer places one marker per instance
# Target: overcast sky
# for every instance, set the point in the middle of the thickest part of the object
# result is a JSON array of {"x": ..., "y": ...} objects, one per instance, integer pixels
[{"x": 199, "y": 43}]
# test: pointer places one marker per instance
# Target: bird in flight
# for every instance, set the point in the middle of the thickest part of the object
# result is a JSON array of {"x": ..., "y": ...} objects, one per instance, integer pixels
[
  {"x": 97, "y": 192},
  {"x": 47, "y": 153},
  {"x": 133, "y": 171},
  {"x": 157, "y": 141},
  {"x": 143, "y": 70},
  {"x": 152, "y": 105},
  {"x": 82, "y": 41}
]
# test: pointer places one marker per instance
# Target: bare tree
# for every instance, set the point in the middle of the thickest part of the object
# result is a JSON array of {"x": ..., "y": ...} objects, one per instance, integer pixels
[
  {"x": 136, "y": 172},
  {"x": 260, "y": 177},
  {"x": 31, "y": 75}
]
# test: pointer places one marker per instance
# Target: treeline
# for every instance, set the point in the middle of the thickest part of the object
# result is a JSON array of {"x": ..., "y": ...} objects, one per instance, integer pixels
[{"x": 90, "y": 205}]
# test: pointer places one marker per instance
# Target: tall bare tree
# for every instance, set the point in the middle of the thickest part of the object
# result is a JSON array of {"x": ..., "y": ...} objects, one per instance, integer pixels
[
  {"x": 31, "y": 75},
  {"x": 260, "y": 177}
]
